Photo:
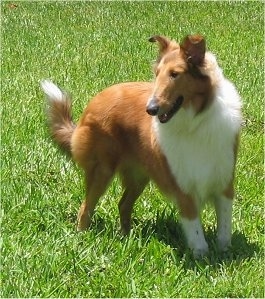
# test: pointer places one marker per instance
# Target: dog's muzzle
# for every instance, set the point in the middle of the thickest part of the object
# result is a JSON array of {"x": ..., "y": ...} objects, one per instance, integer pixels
[{"x": 154, "y": 109}]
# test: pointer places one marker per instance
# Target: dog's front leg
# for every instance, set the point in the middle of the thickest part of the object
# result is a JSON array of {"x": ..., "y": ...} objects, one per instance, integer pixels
[
  {"x": 195, "y": 237},
  {"x": 223, "y": 207},
  {"x": 191, "y": 224}
]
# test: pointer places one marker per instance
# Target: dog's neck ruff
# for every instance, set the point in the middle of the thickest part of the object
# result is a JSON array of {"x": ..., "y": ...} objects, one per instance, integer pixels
[{"x": 199, "y": 148}]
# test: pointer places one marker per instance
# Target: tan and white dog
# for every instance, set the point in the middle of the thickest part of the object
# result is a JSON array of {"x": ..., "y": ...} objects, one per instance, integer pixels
[{"x": 181, "y": 131}]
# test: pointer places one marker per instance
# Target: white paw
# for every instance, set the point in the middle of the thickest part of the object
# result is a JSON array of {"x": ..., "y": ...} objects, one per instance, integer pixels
[
  {"x": 200, "y": 251},
  {"x": 223, "y": 244}
]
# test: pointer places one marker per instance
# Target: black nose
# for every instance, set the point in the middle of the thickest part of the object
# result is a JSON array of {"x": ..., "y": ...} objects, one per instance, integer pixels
[{"x": 152, "y": 108}]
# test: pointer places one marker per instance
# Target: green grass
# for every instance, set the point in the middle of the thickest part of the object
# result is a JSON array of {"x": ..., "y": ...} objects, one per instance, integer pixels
[{"x": 84, "y": 47}]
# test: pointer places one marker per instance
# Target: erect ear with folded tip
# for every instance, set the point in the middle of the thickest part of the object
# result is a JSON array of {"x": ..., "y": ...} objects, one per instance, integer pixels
[
  {"x": 163, "y": 42},
  {"x": 194, "y": 48}
]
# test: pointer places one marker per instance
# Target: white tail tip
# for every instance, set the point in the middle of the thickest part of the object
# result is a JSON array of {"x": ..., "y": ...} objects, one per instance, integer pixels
[{"x": 51, "y": 90}]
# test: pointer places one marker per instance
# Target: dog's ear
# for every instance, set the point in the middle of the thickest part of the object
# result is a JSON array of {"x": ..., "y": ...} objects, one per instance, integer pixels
[
  {"x": 194, "y": 48},
  {"x": 164, "y": 44},
  {"x": 163, "y": 41}
]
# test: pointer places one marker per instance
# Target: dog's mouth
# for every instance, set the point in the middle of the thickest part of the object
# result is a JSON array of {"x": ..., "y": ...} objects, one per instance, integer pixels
[{"x": 165, "y": 117}]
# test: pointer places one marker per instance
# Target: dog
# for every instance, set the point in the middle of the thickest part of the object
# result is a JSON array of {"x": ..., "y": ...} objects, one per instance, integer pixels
[{"x": 180, "y": 131}]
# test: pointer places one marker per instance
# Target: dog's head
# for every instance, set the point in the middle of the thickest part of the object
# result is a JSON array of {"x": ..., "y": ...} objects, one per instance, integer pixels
[{"x": 180, "y": 78}]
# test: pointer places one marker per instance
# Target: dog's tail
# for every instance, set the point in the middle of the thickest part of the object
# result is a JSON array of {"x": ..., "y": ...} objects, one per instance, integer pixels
[{"x": 59, "y": 114}]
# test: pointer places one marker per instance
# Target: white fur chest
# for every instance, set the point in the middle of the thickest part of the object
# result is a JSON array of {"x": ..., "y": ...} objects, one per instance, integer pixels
[{"x": 200, "y": 149}]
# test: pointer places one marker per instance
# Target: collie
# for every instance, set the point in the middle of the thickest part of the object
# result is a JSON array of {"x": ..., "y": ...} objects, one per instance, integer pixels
[{"x": 181, "y": 131}]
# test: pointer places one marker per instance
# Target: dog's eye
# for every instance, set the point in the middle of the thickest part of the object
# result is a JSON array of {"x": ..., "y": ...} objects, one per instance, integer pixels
[{"x": 173, "y": 74}]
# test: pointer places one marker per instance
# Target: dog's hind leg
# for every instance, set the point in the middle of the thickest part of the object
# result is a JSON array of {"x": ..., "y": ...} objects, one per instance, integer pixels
[
  {"x": 97, "y": 177},
  {"x": 134, "y": 183}
]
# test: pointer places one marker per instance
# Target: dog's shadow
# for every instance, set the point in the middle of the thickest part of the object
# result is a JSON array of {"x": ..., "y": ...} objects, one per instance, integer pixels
[{"x": 168, "y": 231}]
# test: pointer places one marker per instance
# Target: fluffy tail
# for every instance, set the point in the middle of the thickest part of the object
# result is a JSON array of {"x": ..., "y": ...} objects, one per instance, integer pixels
[{"x": 59, "y": 114}]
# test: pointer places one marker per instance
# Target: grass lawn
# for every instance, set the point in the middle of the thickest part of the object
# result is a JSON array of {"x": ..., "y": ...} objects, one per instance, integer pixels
[{"x": 85, "y": 47}]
